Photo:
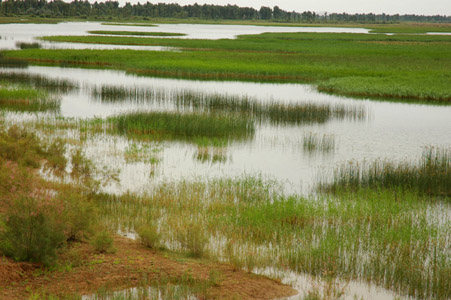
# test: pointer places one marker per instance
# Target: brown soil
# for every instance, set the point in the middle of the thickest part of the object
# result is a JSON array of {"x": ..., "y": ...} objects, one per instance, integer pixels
[{"x": 125, "y": 268}]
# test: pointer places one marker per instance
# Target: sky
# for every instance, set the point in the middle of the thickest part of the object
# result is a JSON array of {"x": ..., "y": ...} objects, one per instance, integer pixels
[{"x": 419, "y": 7}]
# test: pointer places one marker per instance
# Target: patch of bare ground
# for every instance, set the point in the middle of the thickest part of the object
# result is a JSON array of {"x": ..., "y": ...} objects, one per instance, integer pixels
[{"x": 126, "y": 268}]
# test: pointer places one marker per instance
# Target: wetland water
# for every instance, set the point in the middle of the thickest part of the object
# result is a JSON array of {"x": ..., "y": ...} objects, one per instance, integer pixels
[
  {"x": 13, "y": 33},
  {"x": 277, "y": 149},
  {"x": 387, "y": 130}
]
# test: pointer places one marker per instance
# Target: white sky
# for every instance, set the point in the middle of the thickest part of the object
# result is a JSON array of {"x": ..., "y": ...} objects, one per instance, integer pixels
[{"x": 419, "y": 7}]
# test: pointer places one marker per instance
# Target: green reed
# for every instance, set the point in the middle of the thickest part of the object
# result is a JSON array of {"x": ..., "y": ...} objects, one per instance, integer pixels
[
  {"x": 431, "y": 175},
  {"x": 182, "y": 126}
]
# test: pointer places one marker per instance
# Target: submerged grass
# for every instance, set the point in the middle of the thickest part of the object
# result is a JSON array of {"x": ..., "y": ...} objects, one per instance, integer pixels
[
  {"x": 182, "y": 126},
  {"x": 138, "y": 33},
  {"x": 430, "y": 176},
  {"x": 404, "y": 67},
  {"x": 313, "y": 142}
]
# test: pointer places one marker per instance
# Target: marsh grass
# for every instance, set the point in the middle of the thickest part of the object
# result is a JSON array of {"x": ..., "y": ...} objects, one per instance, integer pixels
[
  {"x": 137, "y": 33},
  {"x": 274, "y": 112},
  {"x": 186, "y": 126},
  {"x": 380, "y": 236},
  {"x": 430, "y": 176},
  {"x": 23, "y": 98},
  {"x": 367, "y": 65},
  {"x": 144, "y": 152},
  {"x": 25, "y": 45}
]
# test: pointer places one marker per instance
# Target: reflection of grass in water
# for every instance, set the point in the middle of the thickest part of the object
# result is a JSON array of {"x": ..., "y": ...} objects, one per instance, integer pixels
[
  {"x": 182, "y": 126},
  {"x": 12, "y": 63},
  {"x": 139, "y": 33},
  {"x": 388, "y": 238},
  {"x": 431, "y": 176},
  {"x": 38, "y": 81},
  {"x": 22, "y": 98},
  {"x": 273, "y": 111},
  {"x": 313, "y": 142}
]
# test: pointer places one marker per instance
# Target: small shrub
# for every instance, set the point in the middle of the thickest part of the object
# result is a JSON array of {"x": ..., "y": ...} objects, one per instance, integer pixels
[
  {"x": 31, "y": 230},
  {"x": 193, "y": 238},
  {"x": 149, "y": 236},
  {"x": 103, "y": 242}
]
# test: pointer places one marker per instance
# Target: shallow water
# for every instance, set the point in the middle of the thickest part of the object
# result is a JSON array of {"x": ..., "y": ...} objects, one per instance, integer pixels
[
  {"x": 395, "y": 131},
  {"x": 13, "y": 33}
]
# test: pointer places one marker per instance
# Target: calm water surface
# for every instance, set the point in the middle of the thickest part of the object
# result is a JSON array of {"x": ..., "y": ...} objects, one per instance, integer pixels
[
  {"x": 12, "y": 33},
  {"x": 394, "y": 131}
]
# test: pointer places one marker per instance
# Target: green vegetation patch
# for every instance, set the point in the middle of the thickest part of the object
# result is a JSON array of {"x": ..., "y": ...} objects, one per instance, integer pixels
[
  {"x": 431, "y": 175},
  {"x": 182, "y": 126},
  {"x": 403, "y": 67},
  {"x": 128, "y": 24},
  {"x": 388, "y": 238},
  {"x": 22, "y": 98},
  {"x": 139, "y": 33}
]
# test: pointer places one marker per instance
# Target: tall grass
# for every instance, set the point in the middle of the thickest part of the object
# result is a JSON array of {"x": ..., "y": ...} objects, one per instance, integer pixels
[
  {"x": 387, "y": 238},
  {"x": 430, "y": 176},
  {"x": 182, "y": 126},
  {"x": 274, "y": 112}
]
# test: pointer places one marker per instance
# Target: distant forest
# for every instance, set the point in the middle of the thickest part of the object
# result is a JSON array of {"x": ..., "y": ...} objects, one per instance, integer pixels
[{"x": 111, "y": 9}]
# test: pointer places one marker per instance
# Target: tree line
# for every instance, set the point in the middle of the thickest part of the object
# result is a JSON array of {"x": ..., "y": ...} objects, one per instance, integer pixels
[{"x": 111, "y": 9}]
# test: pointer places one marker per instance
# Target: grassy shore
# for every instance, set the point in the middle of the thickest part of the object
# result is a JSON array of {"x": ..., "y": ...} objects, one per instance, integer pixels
[{"x": 402, "y": 67}]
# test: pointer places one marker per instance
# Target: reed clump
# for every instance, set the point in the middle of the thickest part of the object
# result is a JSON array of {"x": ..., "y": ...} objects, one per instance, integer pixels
[
  {"x": 25, "y": 45},
  {"x": 136, "y": 33},
  {"x": 182, "y": 126},
  {"x": 430, "y": 176}
]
